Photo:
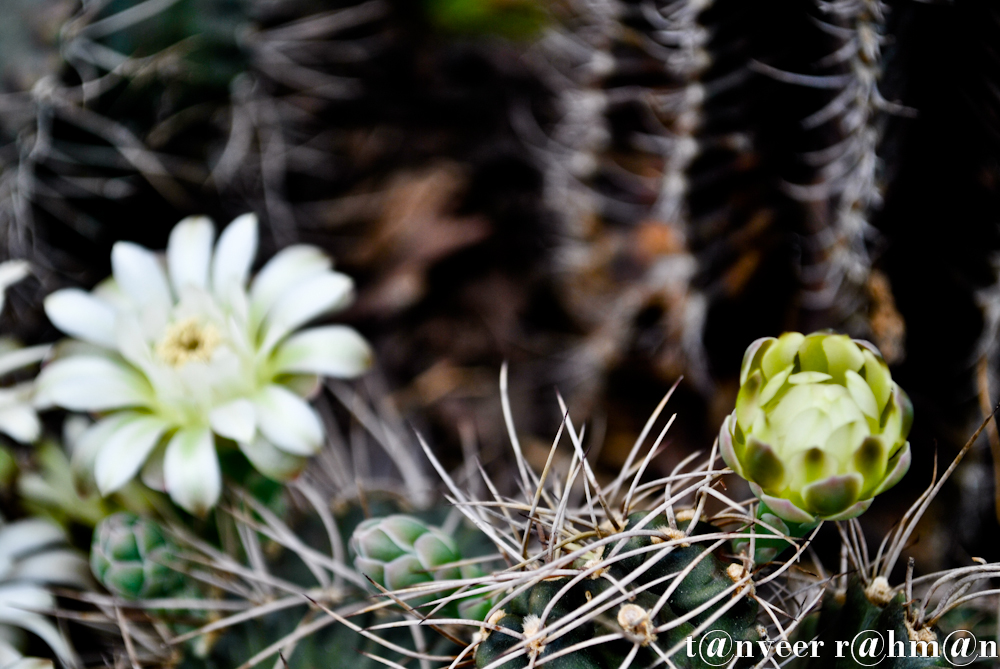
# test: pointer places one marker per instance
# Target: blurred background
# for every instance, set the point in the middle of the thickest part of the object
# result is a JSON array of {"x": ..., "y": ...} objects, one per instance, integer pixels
[{"x": 610, "y": 195}]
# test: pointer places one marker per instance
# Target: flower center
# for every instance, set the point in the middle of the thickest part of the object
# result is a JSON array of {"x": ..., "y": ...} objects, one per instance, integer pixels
[{"x": 188, "y": 341}]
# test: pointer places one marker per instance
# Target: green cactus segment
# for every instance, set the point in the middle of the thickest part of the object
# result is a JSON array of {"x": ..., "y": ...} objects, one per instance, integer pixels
[
  {"x": 707, "y": 579},
  {"x": 819, "y": 426},
  {"x": 853, "y": 612},
  {"x": 400, "y": 551},
  {"x": 129, "y": 557},
  {"x": 523, "y": 615},
  {"x": 648, "y": 575}
]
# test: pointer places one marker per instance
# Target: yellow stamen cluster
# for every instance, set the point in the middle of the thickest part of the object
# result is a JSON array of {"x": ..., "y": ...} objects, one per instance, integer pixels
[{"x": 188, "y": 341}]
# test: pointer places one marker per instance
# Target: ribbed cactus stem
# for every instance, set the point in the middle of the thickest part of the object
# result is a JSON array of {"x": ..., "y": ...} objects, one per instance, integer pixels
[{"x": 768, "y": 545}]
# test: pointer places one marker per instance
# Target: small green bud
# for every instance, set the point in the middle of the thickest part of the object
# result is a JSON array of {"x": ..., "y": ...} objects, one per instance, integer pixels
[
  {"x": 129, "y": 557},
  {"x": 400, "y": 551}
]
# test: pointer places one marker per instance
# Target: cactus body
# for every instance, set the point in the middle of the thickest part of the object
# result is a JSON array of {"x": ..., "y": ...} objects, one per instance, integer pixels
[
  {"x": 845, "y": 615},
  {"x": 636, "y": 617}
]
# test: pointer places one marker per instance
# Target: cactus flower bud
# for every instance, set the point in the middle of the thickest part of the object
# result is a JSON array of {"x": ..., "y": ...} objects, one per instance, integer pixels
[
  {"x": 129, "y": 557},
  {"x": 819, "y": 427}
]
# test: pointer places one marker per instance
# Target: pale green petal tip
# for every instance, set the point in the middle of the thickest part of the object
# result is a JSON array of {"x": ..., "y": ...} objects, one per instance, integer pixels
[
  {"x": 752, "y": 357},
  {"x": 787, "y": 511},
  {"x": 726, "y": 446},
  {"x": 748, "y": 400},
  {"x": 763, "y": 466},
  {"x": 833, "y": 495}
]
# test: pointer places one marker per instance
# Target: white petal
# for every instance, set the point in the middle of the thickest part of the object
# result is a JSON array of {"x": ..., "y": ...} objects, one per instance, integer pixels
[
  {"x": 289, "y": 266},
  {"x": 88, "y": 383},
  {"x": 152, "y": 472},
  {"x": 862, "y": 393},
  {"x": 139, "y": 275},
  {"x": 234, "y": 254},
  {"x": 31, "y": 663},
  {"x": 305, "y": 301},
  {"x": 109, "y": 291},
  {"x": 288, "y": 422},
  {"x": 86, "y": 449},
  {"x": 272, "y": 461},
  {"x": 16, "y": 602},
  {"x": 131, "y": 341},
  {"x": 22, "y": 357},
  {"x": 235, "y": 420},
  {"x": 334, "y": 350},
  {"x": 81, "y": 315},
  {"x": 74, "y": 427},
  {"x": 191, "y": 470},
  {"x": 13, "y": 271},
  {"x": 28, "y": 536},
  {"x": 62, "y": 566},
  {"x": 125, "y": 451},
  {"x": 189, "y": 252},
  {"x": 20, "y": 422},
  {"x": 10, "y": 656}
]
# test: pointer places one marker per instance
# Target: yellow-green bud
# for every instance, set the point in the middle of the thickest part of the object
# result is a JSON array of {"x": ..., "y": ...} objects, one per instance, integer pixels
[{"x": 819, "y": 427}]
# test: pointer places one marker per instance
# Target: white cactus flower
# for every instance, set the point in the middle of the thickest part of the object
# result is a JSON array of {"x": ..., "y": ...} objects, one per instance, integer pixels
[
  {"x": 183, "y": 357},
  {"x": 18, "y": 419},
  {"x": 33, "y": 555}
]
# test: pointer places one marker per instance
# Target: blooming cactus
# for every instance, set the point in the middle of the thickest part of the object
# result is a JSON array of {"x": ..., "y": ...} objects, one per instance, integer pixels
[
  {"x": 183, "y": 356},
  {"x": 819, "y": 427}
]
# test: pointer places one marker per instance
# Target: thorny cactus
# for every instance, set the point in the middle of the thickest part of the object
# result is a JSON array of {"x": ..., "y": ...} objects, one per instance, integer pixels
[
  {"x": 659, "y": 169},
  {"x": 861, "y": 598},
  {"x": 633, "y": 571},
  {"x": 598, "y": 575}
]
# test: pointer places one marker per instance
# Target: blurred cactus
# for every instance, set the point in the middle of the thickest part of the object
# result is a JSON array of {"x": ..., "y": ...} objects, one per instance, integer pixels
[
  {"x": 518, "y": 19},
  {"x": 399, "y": 551},
  {"x": 258, "y": 584},
  {"x": 131, "y": 557}
]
